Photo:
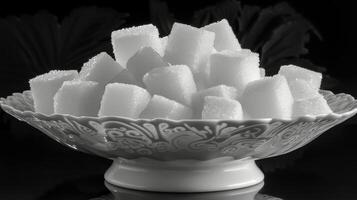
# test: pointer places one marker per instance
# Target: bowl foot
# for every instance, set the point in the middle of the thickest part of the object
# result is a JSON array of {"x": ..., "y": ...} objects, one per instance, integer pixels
[{"x": 184, "y": 175}]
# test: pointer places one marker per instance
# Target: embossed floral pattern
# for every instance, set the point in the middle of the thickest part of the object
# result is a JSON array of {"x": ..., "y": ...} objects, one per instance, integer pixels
[{"x": 162, "y": 139}]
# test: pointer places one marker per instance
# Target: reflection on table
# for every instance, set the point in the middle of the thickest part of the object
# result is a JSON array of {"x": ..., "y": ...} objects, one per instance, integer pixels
[{"x": 249, "y": 193}]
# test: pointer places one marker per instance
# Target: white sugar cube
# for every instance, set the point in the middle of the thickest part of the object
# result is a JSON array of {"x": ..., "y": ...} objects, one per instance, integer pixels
[
  {"x": 225, "y": 37},
  {"x": 45, "y": 86},
  {"x": 301, "y": 89},
  {"x": 164, "y": 43},
  {"x": 221, "y": 108},
  {"x": 143, "y": 61},
  {"x": 125, "y": 76},
  {"x": 174, "y": 82},
  {"x": 269, "y": 97},
  {"x": 78, "y": 98},
  {"x": 262, "y": 72},
  {"x": 123, "y": 100},
  {"x": 189, "y": 46},
  {"x": 162, "y": 107},
  {"x": 126, "y": 42},
  {"x": 234, "y": 68},
  {"x": 101, "y": 69},
  {"x": 312, "y": 106},
  {"x": 218, "y": 91},
  {"x": 214, "y": 50},
  {"x": 292, "y": 72}
]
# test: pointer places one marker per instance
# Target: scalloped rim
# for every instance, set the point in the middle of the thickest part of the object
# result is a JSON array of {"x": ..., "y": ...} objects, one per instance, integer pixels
[{"x": 259, "y": 120}]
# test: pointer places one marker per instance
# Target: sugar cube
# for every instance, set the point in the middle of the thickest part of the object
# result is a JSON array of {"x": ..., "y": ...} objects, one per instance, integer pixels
[
  {"x": 189, "y": 46},
  {"x": 301, "y": 89},
  {"x": 292, "y": 72},
  {"x": 269, "y": 97},
  {"x": 143, "y": 61},
  {"x": 164, "y": 43},
  {"x": 225, "y": 37},
  {"x": 45, "y": 86},
  {"x": 262, "y": 72},
  {"x": 126, "y": 42},
  {"x": 221, "y": 108},
  {"x": 174, "y": 82},
  {"x": 162, "y": 107},
  {"x": 101, "y": 69},
  {"x": 313, "y": 106},
  {"x": 78, "y": 98},
  {"x": 234, "y": 68},
  {"x": 123, "y": 100},
  {"x": 125, "y": 76},
  {"x": 214, "y": 50},
  {"x": 219, "y": 91}
]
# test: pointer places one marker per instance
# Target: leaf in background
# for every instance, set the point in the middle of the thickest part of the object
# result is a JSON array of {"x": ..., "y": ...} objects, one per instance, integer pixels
[
  {"x": 161, "y": 17},
  {"x": 268, "y": 19},
  {"x": 248, "y": 15},
  {"x": 86, "y": 32},
  {"x": 228, "y": 9},
  {"x": 287, "y": 41},
  {"x": 33, "y": 38}
]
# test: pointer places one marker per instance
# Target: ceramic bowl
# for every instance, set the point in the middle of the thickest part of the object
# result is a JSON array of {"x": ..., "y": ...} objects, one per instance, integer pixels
[{"x": 182, "y": 156}]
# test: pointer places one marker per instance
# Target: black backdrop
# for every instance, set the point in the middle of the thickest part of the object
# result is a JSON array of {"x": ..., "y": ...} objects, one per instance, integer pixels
[{"x": 34, "y": 167}]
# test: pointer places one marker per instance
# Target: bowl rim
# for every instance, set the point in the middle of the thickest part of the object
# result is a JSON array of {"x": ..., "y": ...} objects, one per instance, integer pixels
[{"x": 332, "y": 115}]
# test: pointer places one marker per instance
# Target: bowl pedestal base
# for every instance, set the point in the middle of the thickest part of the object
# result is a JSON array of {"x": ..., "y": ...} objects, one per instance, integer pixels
[{"x": 184, "y": 175}]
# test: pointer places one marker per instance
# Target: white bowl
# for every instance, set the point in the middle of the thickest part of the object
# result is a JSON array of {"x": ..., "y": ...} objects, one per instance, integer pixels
[
  {"x": 186, "y": 155},
  {"x": 247, "y": 193}
]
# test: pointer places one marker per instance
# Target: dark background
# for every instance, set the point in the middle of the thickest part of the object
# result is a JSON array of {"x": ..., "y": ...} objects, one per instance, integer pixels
[{"x": 32, "y": 166}]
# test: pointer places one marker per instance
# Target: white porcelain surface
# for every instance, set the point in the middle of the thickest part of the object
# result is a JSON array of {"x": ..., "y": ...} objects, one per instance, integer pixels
[
  {"x": 247, "y": 193},
  {"x": 184, "y": 175}
]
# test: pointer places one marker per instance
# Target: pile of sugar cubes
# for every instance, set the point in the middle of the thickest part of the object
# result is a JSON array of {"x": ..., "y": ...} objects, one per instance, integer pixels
[{"x": 193, "y": 73}]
